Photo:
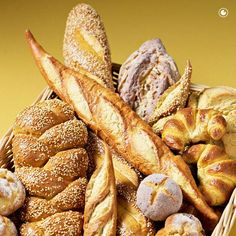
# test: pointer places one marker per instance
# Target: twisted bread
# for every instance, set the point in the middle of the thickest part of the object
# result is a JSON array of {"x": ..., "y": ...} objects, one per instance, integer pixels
[
  {"x": 59, "y": 224},
  {"x": 216, "y": 172},
  {"x": 12, "y": 192},
  {"x": 191, "y": 125},
  {"x": 115, "y": 122},
  {"x": 86, "y": 46},
  {"x": 7, "y": 228},
  {"x": 52, "y": 165},
  {"x": 100, "y": 211}
]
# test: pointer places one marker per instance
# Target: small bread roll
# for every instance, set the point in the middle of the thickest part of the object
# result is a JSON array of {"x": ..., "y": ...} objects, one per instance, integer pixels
[
  {"x": 182, "y": 224},
  {"x": 158, "y": 196},
  {"x": 7, "y": 228},
  {"x": 12, "y": 192}
]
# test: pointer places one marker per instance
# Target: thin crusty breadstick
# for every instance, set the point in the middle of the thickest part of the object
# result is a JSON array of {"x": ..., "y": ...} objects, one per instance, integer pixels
[{"x": 115, "y": 122}]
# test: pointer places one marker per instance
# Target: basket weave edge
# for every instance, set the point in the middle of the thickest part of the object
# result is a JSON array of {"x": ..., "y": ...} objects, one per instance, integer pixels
[{"x": 227, "y": 218}]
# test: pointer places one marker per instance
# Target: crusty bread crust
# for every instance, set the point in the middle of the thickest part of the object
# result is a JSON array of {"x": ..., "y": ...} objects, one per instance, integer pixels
[
  {"x": 85, "y": 44},
  {"x": 115, "y": 122}
]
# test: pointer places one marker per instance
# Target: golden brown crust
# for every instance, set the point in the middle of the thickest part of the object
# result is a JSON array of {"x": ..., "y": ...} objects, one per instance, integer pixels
[
  {"x": 58, "y": 224},
  {"x": 130, "y": 220},
  {"x": 125, "y": 174},
  {"x": 12, "y": 192},
  {"x": 72, "y": 197},
  {"x": 100, "y": 213},
  {"x": 52, "y": 165},
  {"x": 115, "y": 122},
  {"x": 216, "y": 172},
  {"x": 86, "y": 45},
  {"x": 193, "y": 125},
  {"x": 174, "y": 98},
  {"x": 7, "y": 228}
]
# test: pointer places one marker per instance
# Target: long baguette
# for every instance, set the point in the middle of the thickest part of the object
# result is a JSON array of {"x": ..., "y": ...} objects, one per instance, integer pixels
[{"x": 115, "y": 122}]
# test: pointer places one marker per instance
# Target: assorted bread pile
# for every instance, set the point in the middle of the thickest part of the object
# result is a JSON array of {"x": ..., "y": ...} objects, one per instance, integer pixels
[{"x": 145, "y": 157}]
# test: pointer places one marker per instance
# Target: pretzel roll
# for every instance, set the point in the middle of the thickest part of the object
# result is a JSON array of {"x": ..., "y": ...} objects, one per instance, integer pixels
[{"x": 12, "y": 192}]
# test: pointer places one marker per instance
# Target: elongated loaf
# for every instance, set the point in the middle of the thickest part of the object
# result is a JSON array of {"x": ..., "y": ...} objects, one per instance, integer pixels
[
  {"x": 100, "y": 211},
  {"x": 85, "y": 44},
  {"x": 115, "y": 122}
]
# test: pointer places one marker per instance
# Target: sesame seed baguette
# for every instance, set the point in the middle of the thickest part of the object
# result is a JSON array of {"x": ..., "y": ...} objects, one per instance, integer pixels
[
  {"x": 85, "y": 44},
  {"x": 115, "y": 122}
]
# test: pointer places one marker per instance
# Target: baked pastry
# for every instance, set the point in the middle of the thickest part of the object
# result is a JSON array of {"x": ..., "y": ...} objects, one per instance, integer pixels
[
  {"x": 145, "y": 75},
  {"x": 125, "y": 174},
  {"x": 7, "y": 228},
  {"x": 115, "y": 122},
  {"x": 86, "y": 46},
  {"x": 174, "y": 98},
  {"x": 181, "y": 224},
  {"x": 191, "y": 125},
  {"x": 223, "y": 99},
  {"x": 100, "y": 213},
  {"x": 158, "y": 196},
  {"x": 12, "y": 193},
  {"x": 216, "y": 172},
  {"x": 159, "y": 125},
  {"x": 51, "y": 162},
  {"x": 130, "y": 220},
  {"x": 59, "y": 224}
]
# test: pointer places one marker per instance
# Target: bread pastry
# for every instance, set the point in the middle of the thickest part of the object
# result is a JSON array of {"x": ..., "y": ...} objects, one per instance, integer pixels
[
  {"x": 86, "y": 46},
  {"x": 191, "y": 125},
  {"x": 181, "y": 224},
  {"x": 7, "y": 228},
  {"x": 223, "y": 99},
  {"x": 125, "y": 174},
  {"x": 12, "y": 192},
  {"x": 174, "y": 98},
  {"x": 115, "y": 122},
  {"x": 100, "y": 213},
  {"x": 59, "y": 224},
  {"x": 130, "y": 220},
  {"x": 51, "y": 162},
  {"x": 159, "y": 125},
  {"x": 158, "y": 196},
  {"x": 216, "y": 172},
  {"x": 145, "y": 75}
]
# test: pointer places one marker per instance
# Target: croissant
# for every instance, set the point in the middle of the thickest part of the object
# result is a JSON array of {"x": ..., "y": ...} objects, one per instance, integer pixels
[
  {"x": 115, "y": 122},
  {"x": 100, "y": 211},
  {"x": 51, "y": 163},
  {"x": 216, "y": 172},
  {"x": 190, "y": 125}
]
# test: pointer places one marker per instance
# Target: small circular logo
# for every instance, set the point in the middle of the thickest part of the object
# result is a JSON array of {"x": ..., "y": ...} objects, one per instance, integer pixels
[{"x": 223, "y": 12}]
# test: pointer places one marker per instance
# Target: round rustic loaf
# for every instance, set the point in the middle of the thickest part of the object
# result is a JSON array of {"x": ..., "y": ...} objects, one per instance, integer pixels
[{"x": 158, "y": 196}]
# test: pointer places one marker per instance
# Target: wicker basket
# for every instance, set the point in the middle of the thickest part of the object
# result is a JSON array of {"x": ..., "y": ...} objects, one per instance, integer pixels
[{"x": 228, "y": 217}]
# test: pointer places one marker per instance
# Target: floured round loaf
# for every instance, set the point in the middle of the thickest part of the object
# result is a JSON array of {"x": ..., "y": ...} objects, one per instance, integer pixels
[
  {"x": 158, "y": 196},
  {"x": 145, "y": 75}
]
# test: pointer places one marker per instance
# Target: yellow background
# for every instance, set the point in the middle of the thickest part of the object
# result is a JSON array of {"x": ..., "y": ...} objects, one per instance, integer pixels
[{"x": 189, "y": 29}]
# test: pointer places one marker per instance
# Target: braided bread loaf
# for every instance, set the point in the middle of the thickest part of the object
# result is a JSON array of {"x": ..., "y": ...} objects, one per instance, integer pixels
[
  {"x": 192, "y": 125},
  {"x": 52, "y": 165},
  {"x": 216, "y": 172},
  {"x": 115, "y": 122}
]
